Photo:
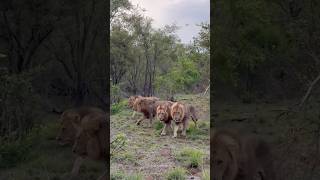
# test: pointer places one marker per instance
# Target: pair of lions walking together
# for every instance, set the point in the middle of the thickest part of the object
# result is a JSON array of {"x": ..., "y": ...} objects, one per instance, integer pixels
[
  {"x": 167, "y": 112},
  {"x": 86, "y": 129}
]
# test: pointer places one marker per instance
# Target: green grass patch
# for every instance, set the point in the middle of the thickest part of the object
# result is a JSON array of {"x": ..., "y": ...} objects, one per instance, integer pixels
[
  {"x": 124, "y": 157},
  {"x": 158, "y": 125},
  {"x": 202, "y": 132},
  {"x": 176, "y": 174},
  {"x": 14, "y": 151},
  {"x": 190, "y": 157},
  {"x": 119, "y": 175},
  {"x": 118, "y": 107}
]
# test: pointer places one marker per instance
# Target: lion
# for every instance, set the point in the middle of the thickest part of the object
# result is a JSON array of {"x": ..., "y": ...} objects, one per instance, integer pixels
[
  {"x": 236, "y": 156},
  {"x": 180, "y": 114},
  {"x": 67, "y": 132},
  {"x": 164, "y": 115},
  {"x": 91, "y": 139},
  {"x": 148, "y": 107},
  {"x": 132, "y": 100}
]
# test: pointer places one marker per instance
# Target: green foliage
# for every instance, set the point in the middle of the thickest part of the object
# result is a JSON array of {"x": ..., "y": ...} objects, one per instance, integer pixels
[
  {"x": 202, "y": 131},
  {"x": 158, "y": 125},
  {"x": 176, "y": 174},
  {"x": 18, "y": 105},
  {"x": 190, "y": 157},
  {"x": 119, "y": 175},
  {"x": 180, "y": 78},
  {"x": 13, "y": 152},
  {"x": 118, "y": 107},
  {"x": 115, "y": 93}
]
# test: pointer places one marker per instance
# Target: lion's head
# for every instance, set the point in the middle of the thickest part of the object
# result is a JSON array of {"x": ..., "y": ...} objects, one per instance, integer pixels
[
  {"x": 90, "y": 136},
  {"x": 162, "y": 112},
  {"x": 67, "y": 132},
  {"x": 224, "y": 157},
  {"x": 131, "y": 101},
  {"x": 177, "y": 112}
]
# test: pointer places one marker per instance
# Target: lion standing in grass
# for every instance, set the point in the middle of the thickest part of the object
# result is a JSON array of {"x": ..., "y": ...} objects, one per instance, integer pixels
[
  {"x": 164, "y": 115},
  {"x": 181, "y": 114},
  {"x": 133, "y": 99},
  {"x": 239, "y": 157}
]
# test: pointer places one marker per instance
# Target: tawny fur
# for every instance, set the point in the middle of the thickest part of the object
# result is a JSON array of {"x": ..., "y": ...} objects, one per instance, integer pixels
[
  {"x": 67, "y": 132},
  {"x": 91, "y": 140},
  {"x": 181, "y": 114},
  {"x": 164, "y": 115},
  {"x": 240, "y": 157}
]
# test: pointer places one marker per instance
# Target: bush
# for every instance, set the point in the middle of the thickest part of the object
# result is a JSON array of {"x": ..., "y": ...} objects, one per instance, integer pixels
[
  {"x": 13, "y": 152},
  {"x": 118, "y": 107},
  {"x": 176, "y": 174},
  {"x": 115, "y": 94},
  {"x": 190, "y": 157},
  {"x": 158, "y": 125},
  {"x": 18, "y": 105}
]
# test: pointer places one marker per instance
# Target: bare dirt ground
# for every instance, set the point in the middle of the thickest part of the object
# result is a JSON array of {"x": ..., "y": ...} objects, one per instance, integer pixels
[
  {"x": 151, "y": 155},
  {"x": 293, "y": 135}
]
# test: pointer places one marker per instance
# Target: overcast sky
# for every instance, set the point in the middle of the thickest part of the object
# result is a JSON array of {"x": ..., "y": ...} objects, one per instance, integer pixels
[{"x": 185, "y": 13}]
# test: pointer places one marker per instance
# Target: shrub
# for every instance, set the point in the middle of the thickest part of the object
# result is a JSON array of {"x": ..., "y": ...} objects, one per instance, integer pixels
[
  {"x": 13, "y": 152},
  {"x": 176, "y": 174},
  {"x": 118, "y": 107},
  {"x": 158, "y": 125},
  {"x": 190, "y": 157},
  {"x": 18, "y": 105}
]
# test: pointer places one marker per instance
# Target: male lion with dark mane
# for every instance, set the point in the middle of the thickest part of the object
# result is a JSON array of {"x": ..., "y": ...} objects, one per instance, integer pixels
[
  {"x": 67, "y": 132},
  {"x": 164, "y": 115},
  {"x": 240, "y": 157},
  {"x": 181, "y": 114},
  {"x": 132, "y": 99},
  {"x": 91, "y": 139}
]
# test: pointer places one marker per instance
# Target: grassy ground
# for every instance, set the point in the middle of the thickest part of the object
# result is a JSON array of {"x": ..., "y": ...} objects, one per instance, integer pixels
[
  {"x": 147, "y": 155},
  {"x": 47, "y": 160},
  {"x": 293, "y": 135}
]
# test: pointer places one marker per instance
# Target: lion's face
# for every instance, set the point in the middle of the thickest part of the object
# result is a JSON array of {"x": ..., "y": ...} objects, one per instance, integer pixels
[
  {"x": 221, "y": 159},
  {"x": 177, "y": 114},
  {"x": 87, "y": 139},
  {"x": 162, "y": 113},
  {"x": 225, "y": 157},
  {"x": 67, "y": 132}
]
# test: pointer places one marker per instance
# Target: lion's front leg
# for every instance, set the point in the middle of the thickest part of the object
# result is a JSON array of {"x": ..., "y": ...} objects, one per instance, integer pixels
[
  {"x": 150, "y": 122},
  {"x": 164, "y": 130},
  {"x": 133, "y": 114},
  {"x": 175, "y": 130},
  {"x": 184, "y": 128}
]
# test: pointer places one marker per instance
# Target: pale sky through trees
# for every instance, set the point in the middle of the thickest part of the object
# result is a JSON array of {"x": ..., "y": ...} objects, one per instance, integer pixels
[{"x": 185, "y": 13}]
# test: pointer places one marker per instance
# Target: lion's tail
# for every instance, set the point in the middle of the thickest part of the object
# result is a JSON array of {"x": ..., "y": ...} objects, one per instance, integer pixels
[{"x": 193, "y": 114}]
